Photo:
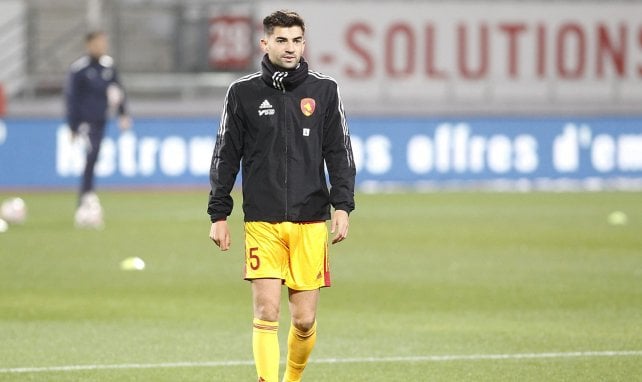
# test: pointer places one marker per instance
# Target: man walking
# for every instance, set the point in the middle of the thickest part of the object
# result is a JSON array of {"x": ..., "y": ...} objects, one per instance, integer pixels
[
  {"x": 92, "y": 90},
  {"x": 284, "y": 123}
]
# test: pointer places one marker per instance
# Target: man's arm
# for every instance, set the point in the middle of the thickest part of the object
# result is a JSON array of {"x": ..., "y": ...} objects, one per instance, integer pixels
[
  {"x": 223, "y": 170},
  {"x": 72, "y": 101},
  {"x": 337, "y": 151},
  {"x": 124, "y": 120}
]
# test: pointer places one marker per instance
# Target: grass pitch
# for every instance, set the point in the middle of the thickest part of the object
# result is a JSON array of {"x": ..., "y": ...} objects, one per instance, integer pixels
[{"x": 438, "y": 274}]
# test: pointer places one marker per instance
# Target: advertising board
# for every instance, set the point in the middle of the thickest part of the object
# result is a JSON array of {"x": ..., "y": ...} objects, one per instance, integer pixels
[
  {"x": 427, "y": 54},
  {"x": 387, "y": 152}
]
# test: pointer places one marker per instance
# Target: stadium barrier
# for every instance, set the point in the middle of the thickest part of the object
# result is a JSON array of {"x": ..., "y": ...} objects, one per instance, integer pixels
[{"x": 390, "y": 153}]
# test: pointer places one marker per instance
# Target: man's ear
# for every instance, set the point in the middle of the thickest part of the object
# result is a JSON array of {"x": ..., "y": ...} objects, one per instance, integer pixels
[{"x": 263, "y": 45}]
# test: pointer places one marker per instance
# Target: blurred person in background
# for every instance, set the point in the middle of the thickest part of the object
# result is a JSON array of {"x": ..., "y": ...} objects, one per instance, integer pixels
[
  {"x": 93, "y": 92},
  {"x": 283, "y": 124}
]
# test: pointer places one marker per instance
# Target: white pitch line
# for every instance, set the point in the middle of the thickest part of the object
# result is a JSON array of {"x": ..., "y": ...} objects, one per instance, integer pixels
[
  {"x": 427, "y": 358},
  {"x": 481, "y": 357},
  {"x": 125, "y": 366}
]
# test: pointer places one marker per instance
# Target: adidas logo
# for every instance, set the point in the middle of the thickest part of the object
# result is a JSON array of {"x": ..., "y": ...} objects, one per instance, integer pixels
[
  {"x": 266, "y": 108},
  {"x": 265, "y": 105}
]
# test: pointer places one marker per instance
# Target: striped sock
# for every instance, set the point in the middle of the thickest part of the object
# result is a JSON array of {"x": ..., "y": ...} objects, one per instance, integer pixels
[
  {"x": 300, "y": 345},
  {"x": 265, "y": 345}
]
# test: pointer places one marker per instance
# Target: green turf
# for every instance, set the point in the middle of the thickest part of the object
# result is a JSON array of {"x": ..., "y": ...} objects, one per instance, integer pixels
[{"x": 420, "y": 275}]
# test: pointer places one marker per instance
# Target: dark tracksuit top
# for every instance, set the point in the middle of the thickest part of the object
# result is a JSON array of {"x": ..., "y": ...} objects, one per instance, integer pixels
[
  {"x": 284, "y": 126},
  {"x": 86, "y": 91},
  {"x": 87, "y": 105}
]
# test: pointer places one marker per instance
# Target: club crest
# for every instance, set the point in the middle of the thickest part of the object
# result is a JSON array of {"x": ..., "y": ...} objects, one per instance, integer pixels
[{"x": 307, "y": 106}]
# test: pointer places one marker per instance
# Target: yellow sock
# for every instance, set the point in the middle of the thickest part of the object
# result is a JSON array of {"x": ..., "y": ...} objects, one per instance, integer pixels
[
  {"x": 300, "y": 345},
  {"x": 265, "y": 345}
]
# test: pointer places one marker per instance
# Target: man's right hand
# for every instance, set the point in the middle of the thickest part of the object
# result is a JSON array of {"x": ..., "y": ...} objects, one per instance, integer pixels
[{"x": 220, "y": 234}]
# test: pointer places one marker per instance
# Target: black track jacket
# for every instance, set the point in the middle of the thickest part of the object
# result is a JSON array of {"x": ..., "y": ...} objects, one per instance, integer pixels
[
  {"x": 86, "y": 90},
  {"x": 283, "y": 125}
]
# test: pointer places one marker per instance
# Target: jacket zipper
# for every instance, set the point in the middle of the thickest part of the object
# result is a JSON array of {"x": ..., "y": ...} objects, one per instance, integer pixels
[{"x": 286, "y": 153}]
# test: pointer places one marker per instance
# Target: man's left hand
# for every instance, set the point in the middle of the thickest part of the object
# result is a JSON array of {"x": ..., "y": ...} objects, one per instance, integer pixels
[{"x": 340, "y": 223}]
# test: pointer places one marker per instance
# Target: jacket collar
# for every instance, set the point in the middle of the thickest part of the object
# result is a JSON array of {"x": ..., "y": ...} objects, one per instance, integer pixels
[{"x": 283, "y": 79}]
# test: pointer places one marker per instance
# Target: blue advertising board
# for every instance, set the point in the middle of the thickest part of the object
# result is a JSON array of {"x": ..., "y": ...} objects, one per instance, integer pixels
[{"x": 394, "y": 151}]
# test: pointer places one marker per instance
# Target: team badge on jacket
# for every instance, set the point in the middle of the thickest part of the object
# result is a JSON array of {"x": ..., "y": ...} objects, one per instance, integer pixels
[{"x": 307, "y": 106}]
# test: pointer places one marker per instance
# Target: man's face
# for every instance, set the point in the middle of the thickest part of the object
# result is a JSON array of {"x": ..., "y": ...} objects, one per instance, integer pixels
[
  {"x": 285, "y": 46},
  {"x": 98, "y": 46}
]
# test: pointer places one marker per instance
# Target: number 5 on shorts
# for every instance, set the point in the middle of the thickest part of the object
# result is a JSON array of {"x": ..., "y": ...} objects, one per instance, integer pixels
[{"x": 255, "y": 261}]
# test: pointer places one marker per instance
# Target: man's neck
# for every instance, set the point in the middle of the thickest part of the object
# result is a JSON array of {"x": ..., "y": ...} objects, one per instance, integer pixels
[{"x": 282, "y": 69}]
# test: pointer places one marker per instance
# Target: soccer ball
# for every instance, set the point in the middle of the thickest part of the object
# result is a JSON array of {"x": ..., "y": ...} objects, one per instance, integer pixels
[
  {"x": 90, "y": 213},
  {"x": 14, "y": 211}
]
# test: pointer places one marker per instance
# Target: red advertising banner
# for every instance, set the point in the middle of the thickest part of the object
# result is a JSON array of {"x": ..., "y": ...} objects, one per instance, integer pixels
[
  {"x": 230, "y": 45},
  {"x": 495, "y": 55}
]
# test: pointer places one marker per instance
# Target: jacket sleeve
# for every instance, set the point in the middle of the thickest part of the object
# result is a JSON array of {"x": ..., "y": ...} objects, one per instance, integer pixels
[
  {"x": 337, "y": 152},
  {"x": 225, "y": 160},
  {"x": 72, "y": 100},
  {"x": 122, "y": 107}
]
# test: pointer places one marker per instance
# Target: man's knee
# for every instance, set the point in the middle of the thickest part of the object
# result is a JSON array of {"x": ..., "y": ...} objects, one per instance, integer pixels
[
  {"x": 267, "y": 312},
  {"x": 304, "y": 322}
]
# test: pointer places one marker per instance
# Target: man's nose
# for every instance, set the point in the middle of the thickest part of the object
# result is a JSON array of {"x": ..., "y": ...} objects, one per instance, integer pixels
[{"x": 289, "y": 46}]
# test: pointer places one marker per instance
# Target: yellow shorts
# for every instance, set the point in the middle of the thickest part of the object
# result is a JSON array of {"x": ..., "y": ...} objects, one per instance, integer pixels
[{"x": 296, "y": 253}]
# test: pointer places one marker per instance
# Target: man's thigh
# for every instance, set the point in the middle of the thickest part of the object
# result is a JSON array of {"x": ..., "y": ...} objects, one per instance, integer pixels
[
  {"x": 266, "y": 255},
  {"x": 309, "y": 267}
]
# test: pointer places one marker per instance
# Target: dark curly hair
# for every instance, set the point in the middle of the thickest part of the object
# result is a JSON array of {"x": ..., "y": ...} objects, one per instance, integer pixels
[{"x": 283, "y": 19}]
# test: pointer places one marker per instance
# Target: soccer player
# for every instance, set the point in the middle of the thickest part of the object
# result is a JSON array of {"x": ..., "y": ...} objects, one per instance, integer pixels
[
  {"x": 284, "y": 124},
  {"x": 93, "y": 89}
]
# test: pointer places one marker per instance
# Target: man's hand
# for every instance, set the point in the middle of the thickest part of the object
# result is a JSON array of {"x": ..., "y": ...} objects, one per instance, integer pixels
[
  {"x": 340, "y": 223},
  {"x": 220, "y": 234},
  {"x": 124, "y": 122}
]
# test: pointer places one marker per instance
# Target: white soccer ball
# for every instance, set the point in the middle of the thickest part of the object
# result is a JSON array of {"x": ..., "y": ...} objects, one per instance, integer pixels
[
  {"x": 89, "y": 216},
  {"x": 4, "y": 226},
  {"x": 14, "y": 211}
]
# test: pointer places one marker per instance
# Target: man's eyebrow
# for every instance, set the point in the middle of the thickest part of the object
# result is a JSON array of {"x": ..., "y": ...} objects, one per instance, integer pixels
[{"x": 285, "y": 38}]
